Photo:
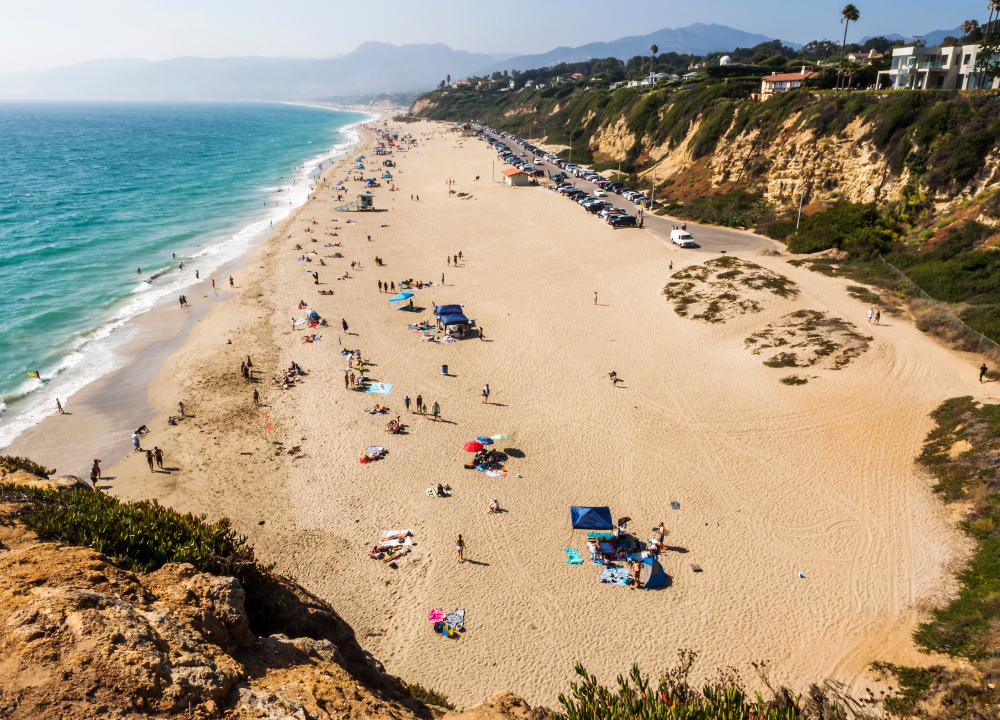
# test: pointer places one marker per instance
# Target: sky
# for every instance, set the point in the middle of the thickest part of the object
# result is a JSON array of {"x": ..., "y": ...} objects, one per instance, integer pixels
[{"x": 42, "y": 35}]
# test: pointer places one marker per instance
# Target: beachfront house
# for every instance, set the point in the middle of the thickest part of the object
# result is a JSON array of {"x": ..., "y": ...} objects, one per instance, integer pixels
[
  {"x": 512, "y": 177},
  {"x": 864, "y": 58},
  {"x": 923, "y": 68},
  {"x": 780, "y": 82}
]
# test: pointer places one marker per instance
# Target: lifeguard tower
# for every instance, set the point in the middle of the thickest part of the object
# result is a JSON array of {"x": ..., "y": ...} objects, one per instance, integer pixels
[{"x": 363, "y": 202}]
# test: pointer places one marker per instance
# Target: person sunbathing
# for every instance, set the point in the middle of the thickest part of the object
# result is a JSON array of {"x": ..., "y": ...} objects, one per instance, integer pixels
[
  {"x": 344, "y": 276},
  {"x": 297, "y": 246}
]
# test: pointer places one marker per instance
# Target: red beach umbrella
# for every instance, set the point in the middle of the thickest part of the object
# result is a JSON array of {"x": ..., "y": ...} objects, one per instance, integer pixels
[{"x": 473, "y": 446}]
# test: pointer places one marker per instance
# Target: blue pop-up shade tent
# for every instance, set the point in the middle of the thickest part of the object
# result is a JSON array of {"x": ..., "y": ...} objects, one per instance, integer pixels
[
  {"x": 591, "y": 518},
  {"x": 449, "y": 310},
  {"x": 652, "y": 574}
]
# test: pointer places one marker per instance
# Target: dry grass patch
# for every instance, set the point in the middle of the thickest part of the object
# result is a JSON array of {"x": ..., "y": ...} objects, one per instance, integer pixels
[
  {"x": 723, "y": 288},
  {"x": 808, "y": 338}
]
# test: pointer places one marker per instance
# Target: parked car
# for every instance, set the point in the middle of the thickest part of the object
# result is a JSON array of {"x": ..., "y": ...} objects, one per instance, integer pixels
[
  {"x": 682, "y": 238},
  {"x": 618, "y": 221},
  {"x": 600, "y": 193}
]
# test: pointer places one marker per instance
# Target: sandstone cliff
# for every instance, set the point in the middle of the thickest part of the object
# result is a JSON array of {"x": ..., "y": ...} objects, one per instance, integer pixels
[{"x": 82, "y": 638}]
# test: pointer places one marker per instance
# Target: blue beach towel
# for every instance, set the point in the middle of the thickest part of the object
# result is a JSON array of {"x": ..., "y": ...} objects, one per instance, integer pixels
[
  {"x": 616, "y": 576},
  {"x": 382, "y": 388},
  {"x": 574, "y": 557}
]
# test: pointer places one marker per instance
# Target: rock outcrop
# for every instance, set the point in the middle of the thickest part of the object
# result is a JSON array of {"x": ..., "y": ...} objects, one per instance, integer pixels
[{"x": 80, "y": 637}]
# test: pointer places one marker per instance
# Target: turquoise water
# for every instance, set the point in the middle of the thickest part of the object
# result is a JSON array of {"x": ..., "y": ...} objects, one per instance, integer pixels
[{"x": 89, "y": 193}]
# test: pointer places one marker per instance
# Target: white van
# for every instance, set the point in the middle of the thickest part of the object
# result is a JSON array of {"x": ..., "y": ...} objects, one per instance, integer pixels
[{"x": 682, "y": 238}]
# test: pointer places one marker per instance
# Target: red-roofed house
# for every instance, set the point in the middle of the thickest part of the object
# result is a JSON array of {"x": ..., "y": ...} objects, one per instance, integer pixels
[
  {"x": 776, "y": 82},
  {"x": 514, "y": 177}
]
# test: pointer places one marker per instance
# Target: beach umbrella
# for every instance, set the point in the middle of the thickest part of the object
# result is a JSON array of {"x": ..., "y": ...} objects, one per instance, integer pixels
[
  {"x": 401, "y": 296},
  {"x": 484, "y": 440},
  {"x": 501, "y": 436},
  {"x": 473, "y": 447}
]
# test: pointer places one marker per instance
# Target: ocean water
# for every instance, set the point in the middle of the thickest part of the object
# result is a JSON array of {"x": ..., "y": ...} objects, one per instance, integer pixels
[{"x": 89, "y": 193}]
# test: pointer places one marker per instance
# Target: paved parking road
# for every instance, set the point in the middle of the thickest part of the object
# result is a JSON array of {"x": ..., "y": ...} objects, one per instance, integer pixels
[{"x": 709, "y": 239}]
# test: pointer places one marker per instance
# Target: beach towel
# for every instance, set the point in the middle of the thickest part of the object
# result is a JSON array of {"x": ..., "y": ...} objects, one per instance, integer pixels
[
  {"x": 599, "y": 534},
  {"x": 616, "y": 576},
  {"x": 456, "y": 618},
  {"x": 433, "y": 491},
  {"x": 435, "y": 614},
  {"x": 382, "y": 388},
  {"x": 574, "y": 557},
  {"x": 300, "y": 321}
]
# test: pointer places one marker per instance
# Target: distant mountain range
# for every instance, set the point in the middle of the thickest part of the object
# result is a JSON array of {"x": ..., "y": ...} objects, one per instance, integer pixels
[
  {"x": 932, "y": 38},
  {"x": 372, "y": 68},
  {"x": 697, "y": 39}
]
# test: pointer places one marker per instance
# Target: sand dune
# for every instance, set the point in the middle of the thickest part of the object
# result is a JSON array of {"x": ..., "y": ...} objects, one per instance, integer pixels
[{"x": 772, "y": 480}]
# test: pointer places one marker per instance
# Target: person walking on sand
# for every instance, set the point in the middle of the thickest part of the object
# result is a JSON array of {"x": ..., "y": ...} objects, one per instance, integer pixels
[
  {"x": 435, "y": 410},
  {"x": 595, "y": 297},
  {"x": 149, "y": 459},
  {"x": 213, "y": 283},
  {"x": 871, "y": 314},
  {"x": 135, "y": 442},
  {"x": 406, "y": 402},
  {"x": 486, "y": 393},
  {"x": 878, "y": 316},
  {"x": 95, "y": 471},
  {"x": 442, "y": 278},
  {"x": 482, "y": 335},
  {"x": 459, "y": 254},
  {"x": 392, "y": 286},
  {"x": 982, "y": 372},
  {"x": 256, "y": 397},
  {"x": 614, "y": 378},
  {"x": 180, "y": 409},
  {"x": 230, "y": 281},
  {"x": 250, "y": 365},
  {"x": 460, "y": 546},
  {"x": 158, "y": 454},
  {"x": 347, "y": 381},
  {"x": 448, "y": 260},
  {"x": 343, "y": 324},
  {"x": 60, "y": 407},
  {"x": 420, "y": 402},
  {"x": 380, "y": 286}
]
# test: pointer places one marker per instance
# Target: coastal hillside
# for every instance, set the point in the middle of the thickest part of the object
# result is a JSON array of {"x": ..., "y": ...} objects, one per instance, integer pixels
[{"x": 710, "y": 138}]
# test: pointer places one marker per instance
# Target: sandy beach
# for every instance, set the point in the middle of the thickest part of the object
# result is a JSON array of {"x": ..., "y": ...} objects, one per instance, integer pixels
[{"x": 771, "y": 480}]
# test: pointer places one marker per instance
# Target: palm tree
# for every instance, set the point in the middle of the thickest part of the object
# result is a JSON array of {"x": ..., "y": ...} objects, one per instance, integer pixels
[
  {"x": 994, "y": 6},
  {"x": 969, "y": 25},
  {"x": 849, "y": 14},
  {"x": 652, "y": 58}
]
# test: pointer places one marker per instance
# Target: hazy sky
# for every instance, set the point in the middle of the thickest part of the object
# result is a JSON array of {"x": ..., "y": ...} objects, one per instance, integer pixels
[{"x": 41, "y": 35}]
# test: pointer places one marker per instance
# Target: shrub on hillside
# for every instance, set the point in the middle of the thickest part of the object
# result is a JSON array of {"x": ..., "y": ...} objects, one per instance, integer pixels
[
  {"x": 857, "y": 229},
  {"x": 13, "y": 463},
  {"x": 144, "y": 536},
  {"x": 736, "y": 209}
]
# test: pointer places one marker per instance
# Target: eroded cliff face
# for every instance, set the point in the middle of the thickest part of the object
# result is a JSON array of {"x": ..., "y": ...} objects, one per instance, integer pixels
[
  {"x": 785, "y": 164},
  {"x": 82, "y": 638}
]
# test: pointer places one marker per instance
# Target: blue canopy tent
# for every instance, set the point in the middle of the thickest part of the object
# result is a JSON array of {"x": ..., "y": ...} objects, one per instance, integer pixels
[
  {"x": 401, "y": 296},
  {"x": 454, "y": 319},
  {"x": 448, "y": 310},
  {"x": 591, "y": 518},
  {"x": 652, "y": 574}
]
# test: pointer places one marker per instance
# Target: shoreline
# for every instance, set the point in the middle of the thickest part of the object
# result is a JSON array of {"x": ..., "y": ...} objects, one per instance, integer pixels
[
  {"x": 131, "y": 340},
  {"x": 771, "y": 480}
]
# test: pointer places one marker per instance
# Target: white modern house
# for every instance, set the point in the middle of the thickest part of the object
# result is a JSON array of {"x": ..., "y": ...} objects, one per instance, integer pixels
[{"x": 923, "y": 68}]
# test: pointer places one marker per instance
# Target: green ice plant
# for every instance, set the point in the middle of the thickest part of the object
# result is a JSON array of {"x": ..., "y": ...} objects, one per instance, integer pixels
[{"x": 636, "y": 698}]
